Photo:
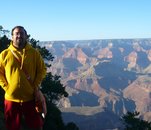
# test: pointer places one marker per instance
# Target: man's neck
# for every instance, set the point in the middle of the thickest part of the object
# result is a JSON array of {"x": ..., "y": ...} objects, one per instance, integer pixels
[{"x": 20, "y": 46}]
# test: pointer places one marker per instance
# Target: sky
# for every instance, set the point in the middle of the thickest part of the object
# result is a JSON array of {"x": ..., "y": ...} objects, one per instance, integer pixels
[{"x": 55, "y": 20}]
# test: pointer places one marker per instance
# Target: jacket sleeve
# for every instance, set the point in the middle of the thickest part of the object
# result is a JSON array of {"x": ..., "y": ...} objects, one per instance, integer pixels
[
  {"x": 40, "y": 70},
  {"x": 3, "y": 81}
]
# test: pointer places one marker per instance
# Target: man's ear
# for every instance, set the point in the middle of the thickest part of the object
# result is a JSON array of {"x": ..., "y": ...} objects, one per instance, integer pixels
[{"x": 12, "y": 38}]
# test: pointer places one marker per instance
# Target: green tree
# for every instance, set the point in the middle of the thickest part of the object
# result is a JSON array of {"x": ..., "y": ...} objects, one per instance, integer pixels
[
  {"x": 132, "y": 121},
  {"x": 43, "y": 51},
  {"x": 4, "y": 43},
  {"x": 71, "y": 126},
  {"x": 3, "y": 31},
  {"x": 53, "y": 120},
  {"x": 4, "y": 40}
]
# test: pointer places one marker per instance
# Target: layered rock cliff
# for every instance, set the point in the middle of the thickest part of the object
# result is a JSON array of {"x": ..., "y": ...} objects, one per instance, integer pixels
[{"x": 113, "y": 74}]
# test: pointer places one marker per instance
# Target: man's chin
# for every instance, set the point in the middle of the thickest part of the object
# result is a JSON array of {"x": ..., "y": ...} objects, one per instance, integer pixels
[{"x": 19, "y": 41}]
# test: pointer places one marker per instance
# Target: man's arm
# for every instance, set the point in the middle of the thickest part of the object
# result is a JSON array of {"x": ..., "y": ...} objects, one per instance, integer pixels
[{"x": 3, "y": 81}]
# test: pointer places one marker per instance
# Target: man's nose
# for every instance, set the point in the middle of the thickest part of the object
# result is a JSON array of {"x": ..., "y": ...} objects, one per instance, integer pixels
[{"x": 19, "y": 35}]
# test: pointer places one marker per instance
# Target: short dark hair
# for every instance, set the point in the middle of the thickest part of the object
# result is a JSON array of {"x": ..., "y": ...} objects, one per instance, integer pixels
[{"x": 20, "y": 27}]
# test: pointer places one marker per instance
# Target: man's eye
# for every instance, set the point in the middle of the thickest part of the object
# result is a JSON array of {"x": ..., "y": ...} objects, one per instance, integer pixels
[{"x": 19, "y": 34}]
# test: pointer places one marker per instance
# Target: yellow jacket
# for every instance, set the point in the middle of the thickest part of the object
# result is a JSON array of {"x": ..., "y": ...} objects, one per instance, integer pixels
[{"x": 12, "y": 78}]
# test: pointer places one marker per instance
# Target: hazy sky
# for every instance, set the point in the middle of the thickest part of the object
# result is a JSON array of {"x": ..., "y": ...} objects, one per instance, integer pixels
[{"x": 49, "y": 20}]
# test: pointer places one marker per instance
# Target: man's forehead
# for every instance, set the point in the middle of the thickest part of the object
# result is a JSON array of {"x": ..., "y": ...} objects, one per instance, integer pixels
[{"x": 18, "y": 30}]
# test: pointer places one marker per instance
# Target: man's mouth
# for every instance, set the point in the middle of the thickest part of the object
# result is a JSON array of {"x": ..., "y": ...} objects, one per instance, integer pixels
[{"x": 19, "y": 39}]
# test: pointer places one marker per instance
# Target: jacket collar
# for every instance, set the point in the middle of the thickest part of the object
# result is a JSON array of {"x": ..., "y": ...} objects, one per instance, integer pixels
[{"x": 27, "y": 47}]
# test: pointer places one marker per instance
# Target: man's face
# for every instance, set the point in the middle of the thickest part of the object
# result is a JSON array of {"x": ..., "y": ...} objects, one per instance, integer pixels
[{"x": 19, "y": 37}]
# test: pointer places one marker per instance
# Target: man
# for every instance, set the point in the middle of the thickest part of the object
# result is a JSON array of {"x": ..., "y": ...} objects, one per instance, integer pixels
[{"x": 21, "y": 71}]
